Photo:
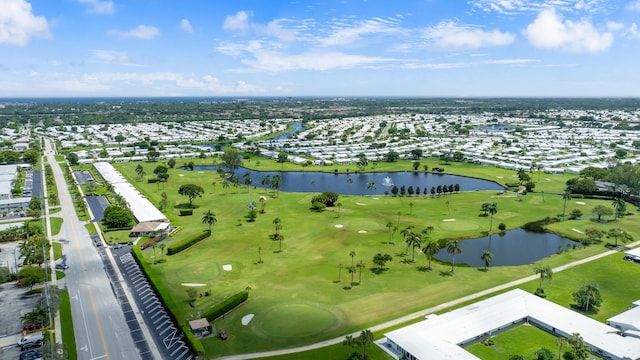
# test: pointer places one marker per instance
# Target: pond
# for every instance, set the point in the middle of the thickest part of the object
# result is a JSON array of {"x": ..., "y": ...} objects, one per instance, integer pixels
[
  {"x": 358, "y": 183},
  {"x": 514, "y": 247},
  {"x": 296, "y": 127}
]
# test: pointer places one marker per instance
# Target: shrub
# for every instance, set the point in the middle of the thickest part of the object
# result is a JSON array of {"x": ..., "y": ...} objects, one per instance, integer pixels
[
  {"x": 192, "y": 341},
  {"x": 188, "y": 242},
  {"x": 328, "y": 198},
  {"x": 186, "y": 212},
  {"x": 153, "y": 180},
  {"x": 318, "y": 206},
  {"x": 502, "y": 227},
  {"x": 226, "y": 305}
]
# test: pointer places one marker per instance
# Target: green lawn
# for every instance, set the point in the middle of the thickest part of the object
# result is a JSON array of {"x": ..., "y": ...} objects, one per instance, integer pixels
[
  {"x": 302, "y": 278},
  {"x": 57, "y": 250},
  {"x": 56, "y": 224},
  {"x": 66, "y": 323},
  {"x": 522, "y": 340}
]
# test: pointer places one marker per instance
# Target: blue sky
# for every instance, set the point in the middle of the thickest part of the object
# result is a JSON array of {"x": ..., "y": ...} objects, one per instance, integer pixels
[{"x": 478, "y": 48}]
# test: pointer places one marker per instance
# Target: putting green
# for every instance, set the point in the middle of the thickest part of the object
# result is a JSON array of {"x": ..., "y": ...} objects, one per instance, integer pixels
[
  {"x": 294, "y": 320},
  {"x": 362, "y": 224},
  {"x": 458, "y": 225}
]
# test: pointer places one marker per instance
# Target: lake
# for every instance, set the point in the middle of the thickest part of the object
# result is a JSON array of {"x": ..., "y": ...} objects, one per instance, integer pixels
[
  {"x": 515, "y": 247},
  {"x": 356, "y": 183}
]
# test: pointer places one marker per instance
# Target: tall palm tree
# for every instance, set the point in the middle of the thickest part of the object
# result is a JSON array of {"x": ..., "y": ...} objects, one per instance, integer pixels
[
  {"x": 352, "y": 271},
  {"x": 389, "y": 226},
  {"x": 544, "y": 271},
  {"x": 246, "y": 180},
  {"x": 360, "y": 267},
  {"x": 352, "y": 254},
  {"x": 487, "y": 257},
  {"x": 619, "y": 205},
  {"x": 453, "y": 248},
  {"x": 429, "y": 249},
  {"x": 266, "y": 182},
  {"x": 406, "y": 234},
  {"x": 492, "y": 209},
  {"x": 560, "y": 343},
  {"x": 225, "y": 185},
  {"x": 277, "y": 223},
  {"x": 414, "y": 241},
  {"x": 236, "y": 183},
  {"x": 365, "y": 339},
  {"x": 275, "y": 182},
  {"x": 566, "y": 195},
  {"x": 209, "y": 218},
  {"x": 340, "y": 272}
]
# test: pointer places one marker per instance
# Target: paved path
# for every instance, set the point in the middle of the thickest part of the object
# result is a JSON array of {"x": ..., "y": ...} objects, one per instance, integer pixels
[{"x": 421, "y": 313}]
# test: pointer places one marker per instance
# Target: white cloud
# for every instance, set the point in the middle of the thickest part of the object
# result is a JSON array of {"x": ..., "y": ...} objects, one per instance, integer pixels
[
  {"x": 432, "y": 66},
  {"x": 114, "y": 57},
  {"x": 632, "y": 32},
  {"x": 448, "y": 34},
  {"x": 239, "y": 21},
  {"x": 185, "y": 25},
  {"x": 514, "y": 7},
  {"x": 274, "y": 61},
  {"x": 633, "y": 6},
  {"x": 18, "y": 23},
  {"x": 550, "y": 31},
  {"x": 345, "y": 35},
  {"x": 614, "y": 26},
  {"x": 99, "y": 7},
  {"x": 144, "y": 32},
  {"x": 511, "y": 61}
]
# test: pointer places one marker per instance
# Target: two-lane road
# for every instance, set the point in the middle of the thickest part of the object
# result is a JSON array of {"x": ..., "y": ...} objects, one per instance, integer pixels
[{"x": 101, "y": 330}]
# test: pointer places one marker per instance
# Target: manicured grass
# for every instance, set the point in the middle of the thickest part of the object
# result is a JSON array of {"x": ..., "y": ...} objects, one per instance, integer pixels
[
  {"x": 56, "y": 224},
  {"x": 59, "y": 158},
  {"x": 91, "y": 228},
  {"x": 304, "y": 274},
  {"x": 523, "y": 340},
  {"x": 117, "y": 237},
  {"x": 66, "y": 323},
  {"x": 57, "y": 250},
  {"x": 59, "y": 274}
]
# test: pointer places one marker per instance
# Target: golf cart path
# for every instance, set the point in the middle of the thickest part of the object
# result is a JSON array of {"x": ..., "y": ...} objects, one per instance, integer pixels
[{"x": 421, "y": 313}]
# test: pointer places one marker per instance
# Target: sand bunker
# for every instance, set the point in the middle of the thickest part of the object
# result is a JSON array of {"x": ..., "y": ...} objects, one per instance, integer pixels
[
  {"x": 339, "y": 226},
  {"x": 499, "y": 177},
  {"x": 580, "y": 203},
  {"x": 361, "y": 204},
  {"x": 362, "y": 231},
  {"x": 180, "y": 174},
  {"x": 578, "y": 231},
  {"x": 227, "y": 267},
  {"x": 247, "y": 319},
  {"x": 376, "y": 198},
  {"x": 193, "y": 284},
  {"x": 448, "y": 220}
]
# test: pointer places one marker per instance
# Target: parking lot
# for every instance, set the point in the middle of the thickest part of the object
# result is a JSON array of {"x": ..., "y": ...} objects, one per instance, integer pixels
[
  {"x": 13, "y": 304},
  {"x": 97, "y": 204}
]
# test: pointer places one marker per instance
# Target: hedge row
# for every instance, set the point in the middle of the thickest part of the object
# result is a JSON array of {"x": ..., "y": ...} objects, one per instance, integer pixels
[
  {"x": 159, "y": 288},
  {"x": 227, "y": 305},
  {"x": 186, "y": 212},
  {"x": 188, "y": 242}
]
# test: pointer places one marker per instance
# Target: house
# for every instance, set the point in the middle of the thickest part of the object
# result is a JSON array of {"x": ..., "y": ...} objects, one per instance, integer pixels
[
  {"x": 200, "y": 327},
  {"x": 148, "y": 228}
]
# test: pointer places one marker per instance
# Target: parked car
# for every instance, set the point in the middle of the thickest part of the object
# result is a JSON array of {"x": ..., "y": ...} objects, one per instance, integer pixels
[
  {"x": 31, "y": 341},
  {"x": 62, "y": 266},
  {"x": 223, "y": 335},
  {"x": 29, "y": 327},
  {"x": 32, "y": 354}
]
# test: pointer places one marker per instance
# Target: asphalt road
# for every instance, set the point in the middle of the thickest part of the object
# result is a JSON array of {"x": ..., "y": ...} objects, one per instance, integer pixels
[{"x": 100, "y": 327}]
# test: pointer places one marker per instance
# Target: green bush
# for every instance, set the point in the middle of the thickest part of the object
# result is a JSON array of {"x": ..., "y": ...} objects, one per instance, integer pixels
[
  {"x": 186, "y": 212},
  {"x": 227, "y": 305},
  {"x": 153, "y": 180},
  {"x": 192, "y": 341},
  {"x": 188, "y": 242}
]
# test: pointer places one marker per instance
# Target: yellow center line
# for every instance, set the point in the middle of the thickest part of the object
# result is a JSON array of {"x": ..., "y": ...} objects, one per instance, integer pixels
[{"x": 95, "y": 311}]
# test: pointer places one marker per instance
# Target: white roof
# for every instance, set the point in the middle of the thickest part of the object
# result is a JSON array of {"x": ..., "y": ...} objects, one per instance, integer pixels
[
  {"x": 438, "y": 337},
  {"x": 633, "y": 252},
  {"x": 631, "y": 318},
  {"x": 143, "y": 210}
]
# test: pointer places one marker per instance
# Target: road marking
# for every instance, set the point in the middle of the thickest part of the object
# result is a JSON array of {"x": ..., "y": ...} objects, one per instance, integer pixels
[{"x": 95, "y": 311}]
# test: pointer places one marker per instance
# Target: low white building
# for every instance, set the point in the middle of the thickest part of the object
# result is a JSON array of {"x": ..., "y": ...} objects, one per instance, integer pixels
[{"x": 442, "y": 337}]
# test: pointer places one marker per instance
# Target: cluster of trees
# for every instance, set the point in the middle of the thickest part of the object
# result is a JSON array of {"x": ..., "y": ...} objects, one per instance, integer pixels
[
  {"x": 435, "y": 190},
  {"x": 116, "y": 217},
  {"x": 326, "y": 199},
  {"x": 624, "y": 176}
]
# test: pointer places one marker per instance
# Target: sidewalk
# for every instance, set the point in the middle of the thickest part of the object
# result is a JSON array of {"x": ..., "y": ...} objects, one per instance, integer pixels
[{"x": 421, "y": 313}]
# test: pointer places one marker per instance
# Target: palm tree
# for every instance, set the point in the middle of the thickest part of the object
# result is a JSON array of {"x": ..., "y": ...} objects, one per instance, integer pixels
[
  {"x": 410, "y": 208},
  {"x": 364, "y": 340},
  {"x": 246, "y": 179},
  {"x": 352, "y": 271},
  {"x": 225, "y": 185},
  {"x": 236, "y": 183},
  {"x": 487, "y": 257},
  {"x": 279, "y": 237},
  {"x": 266, "y": 182},
  {"x": 429, "y": 250},
  {"x": 619, "y": 205},
  {"x": 407, "y": 233},
  {"x": 390, "y": 227},
  {"x": 352, "y": 254},
  {"x": 453, "y": 248},
  {"x": 277, "y": 223},
  {"x": 209, "y": 218},
  {"x": 560, "y": 343},
  {"x": 360, "y": 266},
  {"x": 340, "y": 272},
  {"x": 275, "y": 182},
  {"x": 162, "y": 246},
  {"x": 545, "y": 272},
  {"x": 414, "y": 241},
  {"x": 213, "y": 184},
  {"x": 492, "y": 209},
  {"x": 566, "y": 195},
  {"x": 339, "y": 205}
]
